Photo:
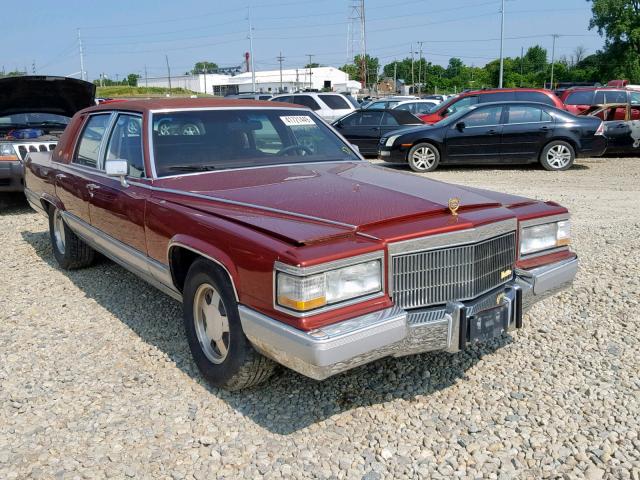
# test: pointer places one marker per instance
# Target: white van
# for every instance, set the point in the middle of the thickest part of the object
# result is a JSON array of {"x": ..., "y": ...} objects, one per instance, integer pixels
[{"x": 329, "y": 106}]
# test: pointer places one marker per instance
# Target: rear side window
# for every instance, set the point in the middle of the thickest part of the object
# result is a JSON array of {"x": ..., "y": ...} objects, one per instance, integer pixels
[
  {"x": 286, "y": 99},
  {"x": 407, "y": 107},
  {"x": 579, "y": 98},
  {"x": 404, "y": 118},
  {"x": 126, "y": 144},
  {"x": 90, "y": 140},
  {"x": 497, "y": 97},
  {"x": 604, "y": 96},
  {"x": 483, "y": 117},
  {"x": 635, "y": 98},
  {"x": 538, "y": 97},
  {"x": 527, "y": 114},
  {"x": 335, "y": 102},
  {"x": 307, "y": 101}
]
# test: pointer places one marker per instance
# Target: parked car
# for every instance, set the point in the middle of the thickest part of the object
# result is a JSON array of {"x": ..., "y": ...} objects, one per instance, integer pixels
[
  {"x": 388, "y": 102},
  {"x": 621, "y": 126},
  {"x": 491, "y": 95},
  {"x": 494, "y": 133},
  {"x": 329, "y": 106},
  {"x": 34, "y": 111},
  {"x": 578, "y": 100},
  {"x": 250, "y": 96},
  {"x": 365, "y": 127},
  {"x": 313, "y": 258},
  {"x": 436, "y": 97},
  {"x": 417, "y": 107}
]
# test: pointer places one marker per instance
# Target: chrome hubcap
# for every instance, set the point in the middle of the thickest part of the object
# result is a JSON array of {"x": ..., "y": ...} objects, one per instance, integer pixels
[
  {"x": 559, "y": 156},
  {"x": 164, "y": 129},
  {"x": 423, "y": 158},
  {"x": 190, "y": 130},
  {"x": 58, "y": 231},
  {"x": 211, "y": 322}
]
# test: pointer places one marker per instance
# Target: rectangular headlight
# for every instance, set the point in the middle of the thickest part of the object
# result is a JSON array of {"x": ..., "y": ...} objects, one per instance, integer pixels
[
  {"x": 303, "y": 293},
  {"x": 542, "y": 237}
]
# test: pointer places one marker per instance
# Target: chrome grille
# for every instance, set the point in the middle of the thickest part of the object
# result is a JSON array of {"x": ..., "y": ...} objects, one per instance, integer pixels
[
  {"x": 462, "y": 272},
  {"x": 25, "y": 148}
]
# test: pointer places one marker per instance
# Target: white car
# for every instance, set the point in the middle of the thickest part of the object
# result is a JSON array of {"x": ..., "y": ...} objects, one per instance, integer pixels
[
  {"x": 329, "y": 106},
  {"x": 417, "y": 107}
]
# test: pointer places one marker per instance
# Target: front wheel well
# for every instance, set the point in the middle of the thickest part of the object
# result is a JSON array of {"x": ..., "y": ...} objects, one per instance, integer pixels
[{"x": 181, "y": 259}]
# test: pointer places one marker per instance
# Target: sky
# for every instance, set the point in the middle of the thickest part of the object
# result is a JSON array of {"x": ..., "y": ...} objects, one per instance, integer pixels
[{"x": 121, "y": 37}]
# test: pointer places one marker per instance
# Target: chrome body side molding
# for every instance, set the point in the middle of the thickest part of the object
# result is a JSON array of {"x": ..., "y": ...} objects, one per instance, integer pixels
[{"x": 138, "y": 263}]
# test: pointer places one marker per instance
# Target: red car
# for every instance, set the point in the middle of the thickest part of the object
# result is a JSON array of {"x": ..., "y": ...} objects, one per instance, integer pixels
[
  {"x": 491, "y": 95},
  {"x": 283, "y": 244},
  {"x": 581, "y": 99}
]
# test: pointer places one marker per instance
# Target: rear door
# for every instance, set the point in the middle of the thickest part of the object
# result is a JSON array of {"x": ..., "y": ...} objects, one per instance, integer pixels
[
  {"x": 478, "y": 139},
  {"x": 76, "y": 180},
  {"x": 363, "y": 129},
  {"x": 526, "y": 130},
  {"x": 117, "y": 210}
]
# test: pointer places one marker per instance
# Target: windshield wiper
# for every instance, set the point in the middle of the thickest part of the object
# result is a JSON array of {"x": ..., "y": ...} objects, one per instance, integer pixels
[
  {"x": 47, "y": 122},
  {"x": 192, "y": 168}
]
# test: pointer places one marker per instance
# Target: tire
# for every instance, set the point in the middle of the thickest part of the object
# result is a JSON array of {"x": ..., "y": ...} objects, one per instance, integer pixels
[
  {"x": 423, "y": 157},
  {"x": 70, "y": 251},
  {"x": 221, "y": 351},
  {"x": 557, "y": 156}
]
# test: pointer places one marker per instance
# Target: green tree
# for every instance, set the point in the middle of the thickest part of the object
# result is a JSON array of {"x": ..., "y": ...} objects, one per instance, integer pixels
[
  {"x": 618, "y": 21},
  {"x": 312, "y": 65},
  {"x": 204, "y": 67},
  {"x": 132, "y": 79},
  {"x": 355, "y": 69},
  {"x": 535, "y": 60}
]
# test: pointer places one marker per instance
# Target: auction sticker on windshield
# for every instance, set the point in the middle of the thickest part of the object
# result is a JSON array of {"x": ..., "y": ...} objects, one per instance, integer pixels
[{"x": 295, "y": 120}]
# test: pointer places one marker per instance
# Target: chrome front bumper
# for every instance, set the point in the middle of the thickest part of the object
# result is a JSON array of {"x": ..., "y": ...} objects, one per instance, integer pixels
[{"x": 395, "y": 332}]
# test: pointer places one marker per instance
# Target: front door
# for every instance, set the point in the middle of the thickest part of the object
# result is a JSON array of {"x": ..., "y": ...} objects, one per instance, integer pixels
[
  {"x": 526, "y": 130},
  {"x": 475, "y": 137},
  {"x": 118, "y": 210},
  {"x": 74, "y": 182},
  {"x": 363, "y": 129}
]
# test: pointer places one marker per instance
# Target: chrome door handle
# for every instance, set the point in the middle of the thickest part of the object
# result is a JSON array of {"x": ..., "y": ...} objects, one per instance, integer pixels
[
  {"x": 60, "y": 176},
  {"x": 93, "y": 186}
]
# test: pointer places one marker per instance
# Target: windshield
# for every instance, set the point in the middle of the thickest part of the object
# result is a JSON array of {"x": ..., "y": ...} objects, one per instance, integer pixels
[
  {"x": 33, "y": 119},
  {"x": 454, "y": 116},
  {"x": 203, "y": 140}
]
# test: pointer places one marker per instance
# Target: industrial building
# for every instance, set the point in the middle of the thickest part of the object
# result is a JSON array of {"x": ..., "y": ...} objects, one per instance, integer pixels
[{"x": 271, "y": 81}]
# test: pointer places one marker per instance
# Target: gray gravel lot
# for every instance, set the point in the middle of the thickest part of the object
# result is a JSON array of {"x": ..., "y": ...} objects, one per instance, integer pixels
[{"x": 96, "y": 379}]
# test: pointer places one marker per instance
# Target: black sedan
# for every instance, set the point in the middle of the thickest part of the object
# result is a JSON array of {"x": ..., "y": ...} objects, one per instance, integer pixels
[
  {"x": 498, "y": 133},
  {"x": 365, "y": 127}
]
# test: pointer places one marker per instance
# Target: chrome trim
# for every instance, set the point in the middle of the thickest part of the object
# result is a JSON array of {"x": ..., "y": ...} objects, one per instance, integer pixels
[
  {"x": 217, "y": 262},
  {"x": 133, "y": 260},
  {"x": 452, "y": 239},
  {"x": 541, "y": 221},
  {"x": 541, "y": 282},
  {"x": 76, "y": 145},
  {"x": 324, "y": 267}
]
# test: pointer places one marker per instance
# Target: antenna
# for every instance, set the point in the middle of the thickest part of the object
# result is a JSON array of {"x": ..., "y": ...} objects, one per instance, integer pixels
[
  {"x": 82, "y": 74},
  {"x": 357, "y": 17}
]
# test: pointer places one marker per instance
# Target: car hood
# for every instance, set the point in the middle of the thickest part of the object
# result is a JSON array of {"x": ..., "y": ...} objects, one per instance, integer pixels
[
  {"x": 313, "y": 202},
  {"x": 45, "y": 94}
]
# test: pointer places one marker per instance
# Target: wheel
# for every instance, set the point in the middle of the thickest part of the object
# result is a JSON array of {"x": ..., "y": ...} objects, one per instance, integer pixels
[
  {"x": 423, "y": 157},
  {"x": 70, "y": 251},
  {"x": 219, "y": 347},
  {"x": 164, "y": 128},
  {"x": 557, "y": 156},
  {"x": 190, "y": 129}
]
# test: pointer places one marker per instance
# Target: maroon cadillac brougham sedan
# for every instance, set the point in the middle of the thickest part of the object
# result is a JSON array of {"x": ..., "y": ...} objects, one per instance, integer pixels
[{"x": 283, "y": 244}]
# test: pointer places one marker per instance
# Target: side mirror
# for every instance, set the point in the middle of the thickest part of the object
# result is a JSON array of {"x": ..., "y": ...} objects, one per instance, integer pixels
[
  {"x": 355, "y": 147},
  {"x": 117, "y": 168},
  {"x": 460, "y": 126},
  {"x": 338, "y": 124}
]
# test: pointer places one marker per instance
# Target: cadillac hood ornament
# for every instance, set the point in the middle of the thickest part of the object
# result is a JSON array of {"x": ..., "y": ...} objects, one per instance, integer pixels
[{"x": 454, "y": 205}]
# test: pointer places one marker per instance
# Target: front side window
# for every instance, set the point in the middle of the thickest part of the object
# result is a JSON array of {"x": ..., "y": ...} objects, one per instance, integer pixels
[
  {"x": 407, "y": 107},
  {"x": 371, "y": 118},
  {"x": 527, "y": 114},
  {"x": 244, "y": 138},
  {"x": 126, "y": 144},
  {"x": 607, "y": 96},
  {"x": 90, "y": 140},
  {"x": 335, "y": 102},
  {"x": 580, "y": 98},
  {"x": 389, "y": 120},
  {"x": 462, "y": 104},
  {"x": 483, "y": 117}
]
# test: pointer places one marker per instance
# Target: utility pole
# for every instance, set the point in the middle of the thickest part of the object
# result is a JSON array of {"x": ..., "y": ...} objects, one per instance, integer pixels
[
  {"x": 553, "y": 57},
  {"x": 81, "y": 56},
  {"x": 501, "y": 46},
  {"x": 521, "y": 64},
  {"x": 101, "y": 79},
  {"x": 395, "y": 76},
  {"x": 166, "y": 58},
  {"x": 420, "y": 70},
  {"x": 253, "y": 70},
  {"x": 280, "y": 59},
  {"x": 205, "y": 80},
  {"x": 146, "y": 78},
  {"x": 413, "y": 83},
  {"x": 363, "y": 35},
  {"x": 310, "y": 72}
]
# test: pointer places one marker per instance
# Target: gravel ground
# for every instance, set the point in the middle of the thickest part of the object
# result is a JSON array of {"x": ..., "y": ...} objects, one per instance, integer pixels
[{"x": 96, "y": 379}]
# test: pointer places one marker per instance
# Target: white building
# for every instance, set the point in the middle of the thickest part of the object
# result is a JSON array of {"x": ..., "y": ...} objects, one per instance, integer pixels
[{"x": 266, "y": 81}]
